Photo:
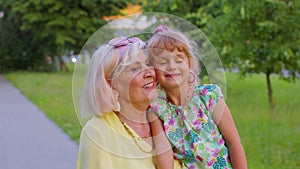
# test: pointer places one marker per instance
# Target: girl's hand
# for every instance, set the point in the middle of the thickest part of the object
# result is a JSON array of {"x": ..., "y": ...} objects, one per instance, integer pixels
[{"x": 163, "y": 149}]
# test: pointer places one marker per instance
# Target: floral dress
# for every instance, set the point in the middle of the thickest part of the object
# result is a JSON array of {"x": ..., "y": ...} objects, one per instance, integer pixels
[{"x": 195, "y": 138}]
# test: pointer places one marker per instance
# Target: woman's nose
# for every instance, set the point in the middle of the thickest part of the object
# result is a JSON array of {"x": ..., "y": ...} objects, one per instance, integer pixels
[{"x": 149, "y": 72}]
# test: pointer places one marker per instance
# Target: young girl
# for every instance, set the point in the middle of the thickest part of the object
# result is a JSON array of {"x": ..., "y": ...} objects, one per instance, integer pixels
[{"x": 195, "y": 118}]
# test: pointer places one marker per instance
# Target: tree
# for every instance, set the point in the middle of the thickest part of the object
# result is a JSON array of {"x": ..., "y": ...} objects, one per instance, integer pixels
[
  {"x": 175, "y": 7},
  {"x": 58, "y": 26},
  {"x": 259, "y": 37},
  {"x": 17, "y": 50}
]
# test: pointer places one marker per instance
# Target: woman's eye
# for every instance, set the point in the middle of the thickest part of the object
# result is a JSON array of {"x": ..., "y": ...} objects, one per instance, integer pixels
[
  {"x": 136, "y": 69},
  {"x": 149, "y": 65}
]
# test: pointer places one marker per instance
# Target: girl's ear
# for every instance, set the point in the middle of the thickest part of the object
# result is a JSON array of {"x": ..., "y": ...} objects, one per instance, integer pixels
[{"x": 190, "y": 65}]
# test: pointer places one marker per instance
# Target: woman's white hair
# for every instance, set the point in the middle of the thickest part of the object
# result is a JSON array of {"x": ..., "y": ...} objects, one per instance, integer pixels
[{"x": 106, "y": 64}]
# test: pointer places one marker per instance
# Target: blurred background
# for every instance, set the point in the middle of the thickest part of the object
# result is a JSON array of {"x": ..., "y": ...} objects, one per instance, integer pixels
[{"x": 258, "y": 42}]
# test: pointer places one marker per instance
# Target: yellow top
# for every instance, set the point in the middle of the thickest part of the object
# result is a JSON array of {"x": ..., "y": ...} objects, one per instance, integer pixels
[{"x": 105, "y": 144}]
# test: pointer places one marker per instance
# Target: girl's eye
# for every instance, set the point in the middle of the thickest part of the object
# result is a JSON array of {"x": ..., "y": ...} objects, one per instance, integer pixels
[
  {"x": 178, "y": 60},
  {"x": 161, "y": 62}
]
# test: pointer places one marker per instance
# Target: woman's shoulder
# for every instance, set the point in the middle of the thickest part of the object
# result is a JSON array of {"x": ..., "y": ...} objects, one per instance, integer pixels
[
  {"x": 101, "y": 129},
  {"x": 97, "y": 122},
  {"x": 94, "y": 120}
]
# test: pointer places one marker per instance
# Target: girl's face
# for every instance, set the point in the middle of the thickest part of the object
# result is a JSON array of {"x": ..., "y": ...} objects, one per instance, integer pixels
[
  {"x": 137, "y": 83},
  {"x": 172, "y": 68}
]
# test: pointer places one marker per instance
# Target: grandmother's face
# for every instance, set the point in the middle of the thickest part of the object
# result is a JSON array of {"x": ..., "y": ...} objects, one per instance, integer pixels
[{"x": 137, "y": 83}]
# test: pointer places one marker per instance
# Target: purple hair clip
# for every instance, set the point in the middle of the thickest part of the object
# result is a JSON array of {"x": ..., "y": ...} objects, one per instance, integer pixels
[
  {"x": 161, "y": 28},
  {"x": 121, "y": 42}
]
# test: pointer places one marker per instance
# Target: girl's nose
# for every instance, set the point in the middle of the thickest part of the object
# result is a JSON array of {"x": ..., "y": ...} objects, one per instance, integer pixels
[{"x": 171, "y": 65}]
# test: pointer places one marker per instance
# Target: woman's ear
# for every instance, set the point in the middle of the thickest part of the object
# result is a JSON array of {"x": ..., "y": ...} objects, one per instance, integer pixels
[
  {"x": 109, "y": 81},
  {"x": 111, "y": 84}
]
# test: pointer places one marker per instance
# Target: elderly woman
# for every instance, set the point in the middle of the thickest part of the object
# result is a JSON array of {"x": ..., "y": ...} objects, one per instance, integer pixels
[{"x": 119, "y": 87}]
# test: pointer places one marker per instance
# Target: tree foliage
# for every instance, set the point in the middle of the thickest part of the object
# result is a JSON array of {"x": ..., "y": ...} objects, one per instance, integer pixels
[
  {"x": 176, "y": 7},
  {"x": 58, "y": 26},
  {"x": 259, "y": 36},
  {"x": 17, "y": 49},
  {"x": 263, "y": 35}
]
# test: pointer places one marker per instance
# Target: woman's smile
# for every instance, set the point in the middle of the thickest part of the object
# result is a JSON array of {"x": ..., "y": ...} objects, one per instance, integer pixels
[{"x": 151, "y": 85}]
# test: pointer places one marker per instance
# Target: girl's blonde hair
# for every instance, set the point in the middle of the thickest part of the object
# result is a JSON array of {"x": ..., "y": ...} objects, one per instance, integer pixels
[
  {"x": 107, "y": 62},
  {"x": 168, "y": 39}
]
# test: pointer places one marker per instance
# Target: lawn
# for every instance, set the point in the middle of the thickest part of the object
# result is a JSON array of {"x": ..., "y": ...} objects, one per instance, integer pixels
[{"x": 270, "y": 139}]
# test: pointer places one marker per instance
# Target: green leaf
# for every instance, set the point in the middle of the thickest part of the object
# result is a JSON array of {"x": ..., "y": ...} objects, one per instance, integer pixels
[
  {"x": 268, "y": 24},
  {"x": 174, "y": 6},
  {"x": 243, "y": 11},
  {"x": 289, "y": 52}
]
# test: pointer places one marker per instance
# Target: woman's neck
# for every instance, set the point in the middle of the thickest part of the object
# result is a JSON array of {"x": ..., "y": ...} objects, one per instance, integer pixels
[
  {"x": 132, "y": 113},
  {"x": 136, "y": 119}
]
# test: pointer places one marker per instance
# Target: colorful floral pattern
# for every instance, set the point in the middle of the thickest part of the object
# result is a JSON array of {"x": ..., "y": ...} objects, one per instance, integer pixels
[{"x": 195, "y": 138}]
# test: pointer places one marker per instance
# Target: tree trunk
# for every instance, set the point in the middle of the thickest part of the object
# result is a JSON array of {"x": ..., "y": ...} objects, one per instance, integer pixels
[
  {"x": 270, "y": 92},
  {"x": 63, "y": 65}
]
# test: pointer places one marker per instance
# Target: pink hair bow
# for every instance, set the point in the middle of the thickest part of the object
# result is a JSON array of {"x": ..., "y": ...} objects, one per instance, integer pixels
[
  {"x": 122, "y": 42},
  {"x": 161, "y": 28}
]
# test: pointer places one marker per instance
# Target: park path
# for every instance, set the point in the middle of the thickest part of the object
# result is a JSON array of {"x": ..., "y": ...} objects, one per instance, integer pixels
[{"x": 28, "y": 138}]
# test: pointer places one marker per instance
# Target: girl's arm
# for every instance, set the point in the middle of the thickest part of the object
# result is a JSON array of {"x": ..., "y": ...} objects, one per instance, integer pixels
[
  {"x": 223, "y": 118},
  {"x": 164, "y": 153}
]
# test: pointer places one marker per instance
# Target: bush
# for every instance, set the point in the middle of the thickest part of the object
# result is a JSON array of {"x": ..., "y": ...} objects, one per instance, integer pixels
[{"x": 18, "y": 49}]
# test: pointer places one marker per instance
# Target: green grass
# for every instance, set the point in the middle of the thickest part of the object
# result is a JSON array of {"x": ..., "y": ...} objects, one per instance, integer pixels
[{"x": 270, "y": 139}]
